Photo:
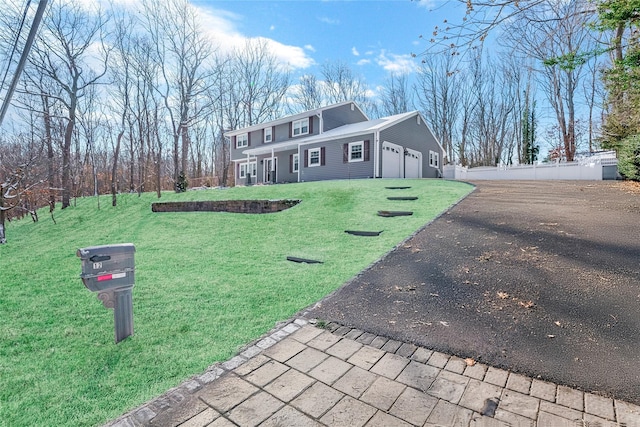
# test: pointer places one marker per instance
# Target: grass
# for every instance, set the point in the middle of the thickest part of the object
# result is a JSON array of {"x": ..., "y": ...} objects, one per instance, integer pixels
[{"x": 206, "y": 285}]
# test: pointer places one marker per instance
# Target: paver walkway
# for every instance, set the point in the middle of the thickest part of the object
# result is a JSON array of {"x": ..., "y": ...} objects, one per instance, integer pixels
[{"x": 303, "y": 375}]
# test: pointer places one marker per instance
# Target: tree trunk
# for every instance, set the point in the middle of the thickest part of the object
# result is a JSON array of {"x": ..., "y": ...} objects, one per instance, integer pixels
[
  {"x": 185, "y": 149},
  {"x": 3, "y": 237},
  {"x": 50, "y": 154},
  {"x": 132, "y": 162},
  {"x": 114, "y": 170},
  {"x": 176, "y": 159},
  {"x": 66, "y": 160}
]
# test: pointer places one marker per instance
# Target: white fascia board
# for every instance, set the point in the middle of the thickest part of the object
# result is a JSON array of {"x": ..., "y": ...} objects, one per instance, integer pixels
[
  {"x": 268, "y": 148},
  {"x": 244, "y": 159}
]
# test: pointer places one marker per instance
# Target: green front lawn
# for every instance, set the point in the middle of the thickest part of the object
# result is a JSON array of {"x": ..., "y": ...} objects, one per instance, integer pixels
[{"x": 206, "y": 285}]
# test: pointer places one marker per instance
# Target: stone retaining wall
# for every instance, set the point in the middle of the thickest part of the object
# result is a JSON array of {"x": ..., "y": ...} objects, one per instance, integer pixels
[{"x": 235, "y": 206}]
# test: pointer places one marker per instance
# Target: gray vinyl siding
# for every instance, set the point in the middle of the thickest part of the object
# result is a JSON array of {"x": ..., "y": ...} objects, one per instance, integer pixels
[
  {"x": 283, "y": 167},
  {"x": 410, "y": 134},
  {"x": 282, "y": 133},
  {"x": 334, "y": 167},
  {"x": 255, "y": 140},
  {"x": 339, "y": 116}
]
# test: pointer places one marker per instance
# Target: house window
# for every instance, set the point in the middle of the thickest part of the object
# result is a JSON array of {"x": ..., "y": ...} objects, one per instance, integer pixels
[
  {"x": 242, "y": 140},
  {"x": 268, "y": 134},
  {"x": 314, "y": 157},
  {"x": 295, "y": 163},
  {"x": 356, "y": 151},
  {"x": 252, "y": 167},
  {"x": 434, "y": 159},
  {"x": 300, "y": 127}
]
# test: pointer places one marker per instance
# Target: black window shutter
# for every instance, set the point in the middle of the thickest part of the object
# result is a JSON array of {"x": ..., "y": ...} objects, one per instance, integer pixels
[
  {"x": 366, "y": 150},
  {"x": 273, "y": 133},
  {"x": 233, "y": 142},
  {"x": 290, "y": 129},
  {"x": 262, "y": 132},
  {"x": 249, "y": 139},
  {"x": 306, "y": 158},
  {"x": 290, "y": 163},
  {"x": 311, "y": 124},
  {"x": 322, "y": 156},
  {"x": 345, "y": 153}
]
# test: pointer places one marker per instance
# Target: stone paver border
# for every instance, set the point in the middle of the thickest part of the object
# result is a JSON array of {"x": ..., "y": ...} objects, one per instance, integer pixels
[{"x": 303, "y": 375}]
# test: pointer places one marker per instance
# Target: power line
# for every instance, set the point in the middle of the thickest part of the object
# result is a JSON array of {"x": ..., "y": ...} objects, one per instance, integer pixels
[
  {"x": 15, "y": 45},
  {"x": 23, "y": 58}
]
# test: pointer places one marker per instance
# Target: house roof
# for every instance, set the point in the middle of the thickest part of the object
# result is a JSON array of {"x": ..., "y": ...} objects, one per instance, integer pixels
[
  {"x": 345, "y": 131},
  {"x": 290, "y": 118}
]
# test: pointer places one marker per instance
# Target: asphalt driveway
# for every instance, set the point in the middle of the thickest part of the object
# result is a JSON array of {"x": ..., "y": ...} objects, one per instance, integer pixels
[{"x": 541, "y": 278}]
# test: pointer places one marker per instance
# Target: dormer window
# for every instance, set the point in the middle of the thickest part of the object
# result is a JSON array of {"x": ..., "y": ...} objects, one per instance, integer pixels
[
  {"x": 242, "y": 140},
  {"x": 268, "y": 134},
  {"x": 300, "y": 127}
]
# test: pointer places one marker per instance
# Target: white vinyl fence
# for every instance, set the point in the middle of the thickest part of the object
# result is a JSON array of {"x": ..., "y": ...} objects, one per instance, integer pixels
[{"x": 593, "y": 169}]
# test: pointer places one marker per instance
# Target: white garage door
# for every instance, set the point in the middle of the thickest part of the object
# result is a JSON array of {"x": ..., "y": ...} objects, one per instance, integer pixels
[
  {"x": 392, "y": 160},
  {"x": 412, "y": 164}
]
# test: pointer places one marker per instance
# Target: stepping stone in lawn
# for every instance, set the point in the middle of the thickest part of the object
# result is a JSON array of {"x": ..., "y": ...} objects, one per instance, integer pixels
[
  {"x": 304, "y": 260},
  {"x": 403, "y": 198},
  {"x": 363, "y": 233},
  {"x": 396, "y": 188},
  {"x": 394, "y": 213}
]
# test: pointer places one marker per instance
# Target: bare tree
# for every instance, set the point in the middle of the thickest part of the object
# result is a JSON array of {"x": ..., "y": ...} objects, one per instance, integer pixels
[
  {"x": 260, "y": 84},
  {"x": 63, "y": 57},
  {"x": 307, "y": 94},
  {"x": 491, "y": 128},
  {"x": 20, "y": 176},
  {"x": 558, "y": 36},
  {"x": 439, "y": 92},
  {"x": 395, "y": 97},
  {"x": 342, "y": 84},
  {"x": 182, "y": 52}
]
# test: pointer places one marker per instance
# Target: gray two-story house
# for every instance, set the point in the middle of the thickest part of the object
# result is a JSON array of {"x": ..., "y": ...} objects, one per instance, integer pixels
[{"x": 335, "y": 142}]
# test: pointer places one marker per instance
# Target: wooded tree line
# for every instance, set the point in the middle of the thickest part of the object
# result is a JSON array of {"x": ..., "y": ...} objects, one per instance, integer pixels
[{"x": 138, "y": 99}]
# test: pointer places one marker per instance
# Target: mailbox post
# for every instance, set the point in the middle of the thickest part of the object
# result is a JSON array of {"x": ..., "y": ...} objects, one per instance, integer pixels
[{"x": 109, "y": 271}]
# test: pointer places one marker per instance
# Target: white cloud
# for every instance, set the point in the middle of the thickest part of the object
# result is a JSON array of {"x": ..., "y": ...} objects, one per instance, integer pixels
[
  {"x": 271, "y": 28},
  {"x": 222, "y": 29},
  {"x": 329, "y": 21},
  {"x": 402, "y": 64},
  {"x": 310, "y": 48},
  {"x": 354, "y": 51},
  {"x": 291, "y": 57},
  {"x": 426, "y": 4},
  {"x": 364, "y": 62}
]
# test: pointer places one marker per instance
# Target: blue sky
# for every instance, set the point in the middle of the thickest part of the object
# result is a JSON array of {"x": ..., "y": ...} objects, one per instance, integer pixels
[{"x": 373, "y": 37}]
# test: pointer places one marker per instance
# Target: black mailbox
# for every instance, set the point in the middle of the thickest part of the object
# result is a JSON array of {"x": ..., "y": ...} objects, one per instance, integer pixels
[
  {"x": 109, "y": 270},
  {"x": 107, "y": 267}
]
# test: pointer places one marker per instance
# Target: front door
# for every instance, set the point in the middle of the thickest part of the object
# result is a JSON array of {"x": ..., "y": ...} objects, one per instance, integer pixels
[{"x": 270, "y": 170}]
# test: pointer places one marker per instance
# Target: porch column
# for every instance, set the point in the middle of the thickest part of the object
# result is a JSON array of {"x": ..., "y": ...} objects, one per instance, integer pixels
[{"x": 273, "y": 167}]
